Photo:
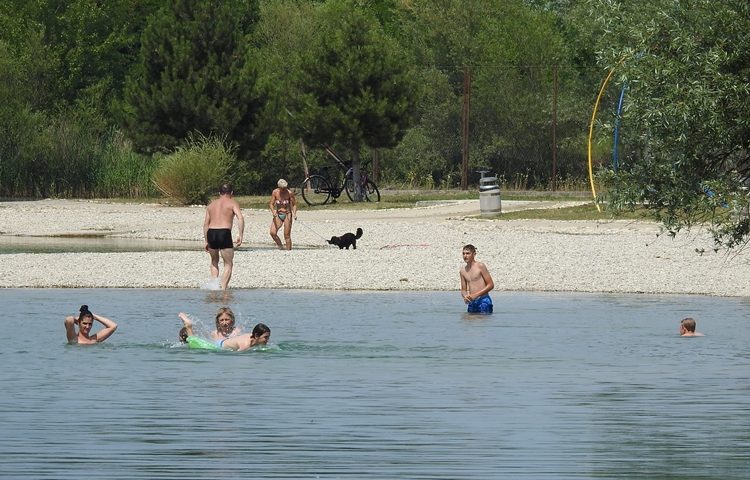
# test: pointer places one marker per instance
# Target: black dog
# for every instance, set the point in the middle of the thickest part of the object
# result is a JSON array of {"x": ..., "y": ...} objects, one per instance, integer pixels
[{"x": 346, "y": 239}]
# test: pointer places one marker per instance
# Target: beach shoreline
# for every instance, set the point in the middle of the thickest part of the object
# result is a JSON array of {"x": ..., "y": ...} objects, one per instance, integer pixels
[{"x": 409, "y": 249}]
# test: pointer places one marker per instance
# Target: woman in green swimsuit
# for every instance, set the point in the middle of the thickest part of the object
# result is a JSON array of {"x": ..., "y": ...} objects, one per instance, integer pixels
[{"x": 283, "y": 206}]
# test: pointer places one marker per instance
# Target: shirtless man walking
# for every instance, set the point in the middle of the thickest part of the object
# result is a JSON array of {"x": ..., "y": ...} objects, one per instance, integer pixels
[
  {"x": 476, "y": 283},
  {"x": 217, "y": 231}
]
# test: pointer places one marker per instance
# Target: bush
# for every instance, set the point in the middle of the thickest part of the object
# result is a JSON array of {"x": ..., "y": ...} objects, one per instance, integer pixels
[{"x": 195, "y": 170}]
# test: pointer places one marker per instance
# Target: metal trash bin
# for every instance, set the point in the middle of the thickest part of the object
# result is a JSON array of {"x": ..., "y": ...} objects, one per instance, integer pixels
[{"x": 489, "y": 196}]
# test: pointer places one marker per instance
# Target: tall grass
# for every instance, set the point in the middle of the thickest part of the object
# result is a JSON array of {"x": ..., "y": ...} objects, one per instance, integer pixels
[{"x": 124, "y": 173}]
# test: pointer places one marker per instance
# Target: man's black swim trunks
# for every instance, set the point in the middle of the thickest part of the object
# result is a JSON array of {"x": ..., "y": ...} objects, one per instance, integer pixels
[{"x": 219, "y": 238}]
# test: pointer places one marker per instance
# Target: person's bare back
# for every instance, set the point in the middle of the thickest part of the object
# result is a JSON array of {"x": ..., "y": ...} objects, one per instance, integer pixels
[
  {"x": 217, "y": 232},
  {"x": 220, "y": 212}
]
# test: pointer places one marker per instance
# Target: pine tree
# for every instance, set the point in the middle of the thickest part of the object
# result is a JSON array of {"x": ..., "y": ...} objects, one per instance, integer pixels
[
  {"x": 195, "y": 76},
  {"x": 357, "y": 89}
]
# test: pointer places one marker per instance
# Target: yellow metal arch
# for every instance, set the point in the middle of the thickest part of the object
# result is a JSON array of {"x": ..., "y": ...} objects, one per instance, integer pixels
[{"x": 591, "y": 130}]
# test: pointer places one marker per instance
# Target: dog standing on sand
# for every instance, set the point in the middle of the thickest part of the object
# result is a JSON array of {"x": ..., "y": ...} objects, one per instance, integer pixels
[{"x": 346, "y": 240}]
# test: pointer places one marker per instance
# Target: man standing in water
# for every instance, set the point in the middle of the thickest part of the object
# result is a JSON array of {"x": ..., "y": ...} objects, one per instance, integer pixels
[
  {"x": 217, "y": 231},
  {"x": 476, "y": 283}
]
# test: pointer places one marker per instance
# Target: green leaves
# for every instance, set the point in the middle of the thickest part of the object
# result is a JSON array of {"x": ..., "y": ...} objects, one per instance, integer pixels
[
  {"x": 195, "y": 75},
  {"x": 687, "y": 109},
  {"x": 356, "y": 87}
]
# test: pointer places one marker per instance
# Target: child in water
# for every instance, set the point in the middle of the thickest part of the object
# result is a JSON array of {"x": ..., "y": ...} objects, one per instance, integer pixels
[
  {"x": 687, "y": 328},
  {"x": 476, "y": 283}
]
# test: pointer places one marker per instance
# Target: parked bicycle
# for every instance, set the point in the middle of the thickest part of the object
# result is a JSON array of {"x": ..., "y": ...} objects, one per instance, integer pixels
[{"x": 318, "y": 188}]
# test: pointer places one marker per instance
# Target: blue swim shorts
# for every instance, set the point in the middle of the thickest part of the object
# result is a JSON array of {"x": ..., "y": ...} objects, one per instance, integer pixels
[{"x": 482, "y": 304}]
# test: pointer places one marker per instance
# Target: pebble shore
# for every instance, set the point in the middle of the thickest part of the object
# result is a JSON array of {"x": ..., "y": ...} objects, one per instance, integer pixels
[{"x": 402, "y": 249}]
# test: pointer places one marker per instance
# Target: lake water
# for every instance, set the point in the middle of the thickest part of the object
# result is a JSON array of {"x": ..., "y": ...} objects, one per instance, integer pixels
[{"x": 387, "y": 385}]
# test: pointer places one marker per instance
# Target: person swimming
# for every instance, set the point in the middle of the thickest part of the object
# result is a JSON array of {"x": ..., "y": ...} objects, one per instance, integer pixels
[
  {"x": 687, "y": 328},
  {"x": 183, "y": 335},
  {"x": 225, "y": 326},
  {"x": 239, "y": 343},
  {"x": 259, "y": 336},
  {"x": 85, "y": 322}
]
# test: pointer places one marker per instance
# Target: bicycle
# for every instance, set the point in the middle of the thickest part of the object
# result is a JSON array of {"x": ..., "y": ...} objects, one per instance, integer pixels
[{"x": 317, "y": 188}]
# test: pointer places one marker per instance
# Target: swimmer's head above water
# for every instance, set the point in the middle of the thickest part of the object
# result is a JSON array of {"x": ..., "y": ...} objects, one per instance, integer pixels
[
  {"x": 261, "y": 333},
  {"x": 85, "y": 319},
  {"x": 183, "y": 335},
  {"x": 687, "y": 328},
  {"x": 225, "y": 321}
]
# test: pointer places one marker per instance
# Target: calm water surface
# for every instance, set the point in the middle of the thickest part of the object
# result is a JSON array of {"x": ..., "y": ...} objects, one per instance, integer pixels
[{"x": 377, "y": 385}]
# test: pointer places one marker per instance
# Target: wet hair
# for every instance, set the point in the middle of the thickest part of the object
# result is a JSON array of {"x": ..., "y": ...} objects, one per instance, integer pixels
[
  {"x": 688, "y": 324},
  {"x": 225, "y": 188},
  {"x": 85, "y": 312},
  {"x": 470, "y": 248},
  {"x": 260, "y": 329},
  {"x": 221, "y": 311},
  {"x": 183, "y": 335}
]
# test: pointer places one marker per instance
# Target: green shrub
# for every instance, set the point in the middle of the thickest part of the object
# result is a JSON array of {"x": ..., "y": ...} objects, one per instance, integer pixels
[
  {"x": 123, "y": 172},
  {"x": 195, "y": 170}
]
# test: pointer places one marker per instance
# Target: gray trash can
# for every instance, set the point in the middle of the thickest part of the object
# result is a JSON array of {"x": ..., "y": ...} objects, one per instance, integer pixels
[{"x": 489, "y": 196}]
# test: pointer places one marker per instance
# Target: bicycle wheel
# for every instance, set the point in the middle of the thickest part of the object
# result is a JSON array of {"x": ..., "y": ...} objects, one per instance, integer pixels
[
  {"x": 315, "y": 190},
  {"x": 371, "y": 192}
]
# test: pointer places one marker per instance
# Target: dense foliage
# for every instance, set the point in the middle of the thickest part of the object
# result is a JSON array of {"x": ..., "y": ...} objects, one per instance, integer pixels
[
  {"x": 194, "y": 75},
  {"x": 687, "y": 64},
  {"x": 91, "y": 92}
]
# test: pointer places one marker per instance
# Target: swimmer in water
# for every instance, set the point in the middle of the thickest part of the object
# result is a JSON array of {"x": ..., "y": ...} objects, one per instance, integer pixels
[
  {"x": 687, "y": 328},
  {"x": 225, "y": 325},
  {"x": 85, "y": 322},
  {"x": 260, "y": 336},
  {"x": 187, "y": 329}
]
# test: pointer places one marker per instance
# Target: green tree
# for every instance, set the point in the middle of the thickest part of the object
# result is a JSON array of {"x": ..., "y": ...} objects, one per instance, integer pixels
[
  {"x": 195, "y": 75},
  {"x": 282, "y": 35},
  {"x": 509, "y": 50},
  {"x": 357, "y": 89},
  {"x": 688, "y": 67},
  {"x": 86, "y": 46}
]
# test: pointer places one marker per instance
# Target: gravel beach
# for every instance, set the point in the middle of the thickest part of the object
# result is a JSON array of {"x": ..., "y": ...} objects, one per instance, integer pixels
[{"x": 402, "y": 249}]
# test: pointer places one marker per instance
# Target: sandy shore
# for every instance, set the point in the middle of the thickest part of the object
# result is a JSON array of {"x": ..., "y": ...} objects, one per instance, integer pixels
[{"x": 402, "y": 249}]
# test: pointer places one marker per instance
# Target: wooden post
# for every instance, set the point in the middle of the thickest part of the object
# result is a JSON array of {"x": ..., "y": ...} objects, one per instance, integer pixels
[
  {"x": 554, "y": 128},
  {"x": 465, "y": 130}
]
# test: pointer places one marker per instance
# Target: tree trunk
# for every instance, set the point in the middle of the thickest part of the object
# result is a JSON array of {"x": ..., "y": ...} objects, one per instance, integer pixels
[{"x": 357, "y": 176}]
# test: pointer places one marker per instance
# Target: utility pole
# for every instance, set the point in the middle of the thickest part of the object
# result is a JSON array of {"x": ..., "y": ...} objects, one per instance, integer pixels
[
  {"x": 465, "y": 130},
  {"x": 554, "y": 128}
]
